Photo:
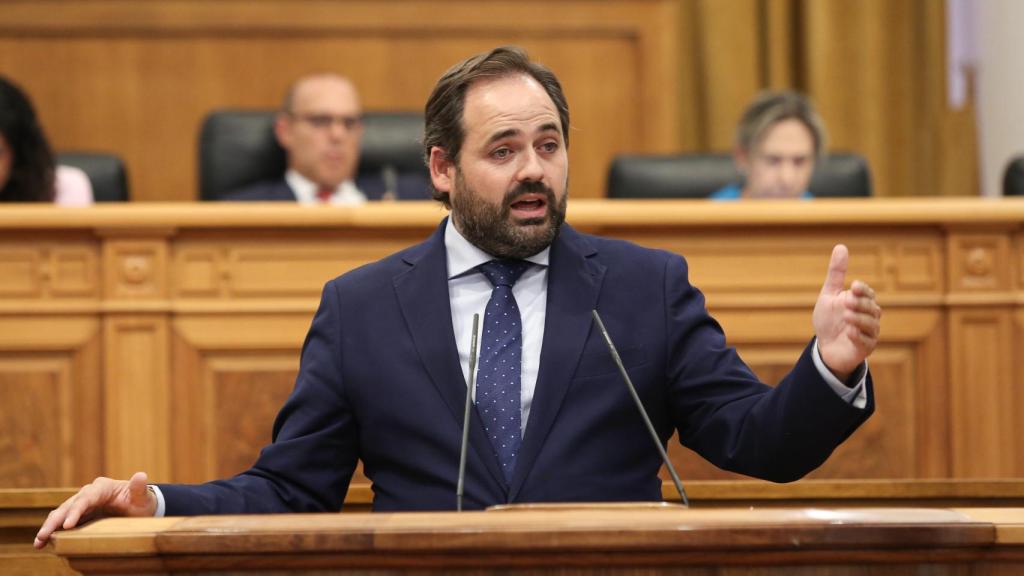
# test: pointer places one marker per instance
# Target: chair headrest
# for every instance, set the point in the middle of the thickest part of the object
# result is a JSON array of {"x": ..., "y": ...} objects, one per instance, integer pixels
[
  {"x": 670, "y": 176},
  {"x": 1013, "y": 177},
  {"x": 106, "y": 173},
  {"x": 699, "y": 175},
  {"x": 841, "y": 175},
  {"x": 392, "y": 139},
  {"x": 238, "y": 148}
]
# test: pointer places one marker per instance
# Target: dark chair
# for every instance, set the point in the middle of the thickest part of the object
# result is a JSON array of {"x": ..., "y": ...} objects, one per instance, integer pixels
[
  {"x": 698, "y": 175},
  {"x": 238, "y": 148},
  {"x": 106, "y": 173},
  {"x": 1013, "y": 178}
]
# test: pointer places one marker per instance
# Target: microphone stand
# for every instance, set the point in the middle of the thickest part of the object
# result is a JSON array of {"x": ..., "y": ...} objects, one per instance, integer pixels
[
  {"x": 460, "y": 487},
  {"x": 640, "y": 407}
]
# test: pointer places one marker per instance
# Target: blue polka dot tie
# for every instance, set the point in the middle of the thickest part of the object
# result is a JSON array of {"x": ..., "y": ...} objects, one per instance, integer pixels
[{"x": 500, "y": 364}]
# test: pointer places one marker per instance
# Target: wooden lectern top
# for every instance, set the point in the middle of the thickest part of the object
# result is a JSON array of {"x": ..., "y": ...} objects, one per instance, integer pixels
[{"x": 524, "y": 539}]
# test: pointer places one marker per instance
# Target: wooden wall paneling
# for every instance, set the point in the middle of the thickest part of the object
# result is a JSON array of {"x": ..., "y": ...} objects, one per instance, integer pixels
[
  {"x": 984, "y": 377},
  {"x": 980, "y": 265},
  {"x": 864, "y": 69},
  {"x": 135, "y": 269},
  {"x": 242, "y": 397},
  {"x": 950, "y": 137},
  {"x": 136, "y": 352},
  {"x": 780, "y": 44},
  {"x": 215, "y": 267},
  {"x": 187, "y": 441},
  {"x": 154, "y": 69},
  {"x": 60, "y": 270},
  {"x": 981, "y": 274},
  {"x": 50, "y": 392},
  {"x": 227, "y": 390},
  {"x": 136, "y": 395},
  {"x": 985, "y": 398},
  {"x": 731, "y": 73}
]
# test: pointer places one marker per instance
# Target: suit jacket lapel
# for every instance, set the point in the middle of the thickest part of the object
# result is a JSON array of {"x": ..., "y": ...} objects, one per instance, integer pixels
[
  {"x": 574, "y": 282},
  {"x": 423, "y": 297}
]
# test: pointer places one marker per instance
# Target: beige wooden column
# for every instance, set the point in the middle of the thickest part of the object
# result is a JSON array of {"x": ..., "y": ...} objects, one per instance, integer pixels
[
  {"x": 984, "y": 317},
  {"x": 136, "y": 371}
]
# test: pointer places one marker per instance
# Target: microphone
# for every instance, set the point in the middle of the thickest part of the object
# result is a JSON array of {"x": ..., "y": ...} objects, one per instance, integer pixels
[
  {"x": 460, "y": 486},
  {"x": 640, "y": 407}
]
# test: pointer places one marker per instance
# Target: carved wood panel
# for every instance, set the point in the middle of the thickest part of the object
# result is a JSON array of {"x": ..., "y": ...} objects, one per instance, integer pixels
[
  {"x": 227, "y": 393},
  {"x": 907, "y": 437},
  {"x": 241, "y": 396},
  {"x": 985, "y": 399},
  {"x": 273, "y": 267},
  {"x": 51, "y": 418},
  {"x": 136, "y": 373},
  {"x": 135, "y": 268},
  {"x": 979, "y": 262},
  {"x": 45, "y": 270},
  {"x": 756, "y": 267}
]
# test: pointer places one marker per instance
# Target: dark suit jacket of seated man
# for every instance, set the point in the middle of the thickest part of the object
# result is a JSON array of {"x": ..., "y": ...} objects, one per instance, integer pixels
[
  {"x": 406, "y": 186},
  {"x": 383, "y": 368}
]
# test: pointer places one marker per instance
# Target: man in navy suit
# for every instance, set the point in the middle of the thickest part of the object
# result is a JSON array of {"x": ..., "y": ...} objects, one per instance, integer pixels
[
  {"x": 320, "y": 127},
  {"x": 384, "y": 368}
]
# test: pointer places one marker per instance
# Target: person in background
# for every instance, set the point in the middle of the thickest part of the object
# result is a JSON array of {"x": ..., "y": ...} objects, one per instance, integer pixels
[
  {"x": 779, "y": 139},
  {"x": 320, "y": 126},
  {"x": 27, "y": 170}
]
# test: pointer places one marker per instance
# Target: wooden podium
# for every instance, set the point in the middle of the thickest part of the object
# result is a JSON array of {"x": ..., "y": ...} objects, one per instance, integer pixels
[{"x": 612, "y": 539}]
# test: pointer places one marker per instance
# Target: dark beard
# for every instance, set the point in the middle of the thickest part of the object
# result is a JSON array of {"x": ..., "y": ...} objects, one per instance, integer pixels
[{"x": 491, "y": 229}]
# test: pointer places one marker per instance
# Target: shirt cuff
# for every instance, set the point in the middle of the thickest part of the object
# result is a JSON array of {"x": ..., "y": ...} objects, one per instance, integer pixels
[
  {"x": 856, "y": 395},
  {"x": 161, "y": 505}
]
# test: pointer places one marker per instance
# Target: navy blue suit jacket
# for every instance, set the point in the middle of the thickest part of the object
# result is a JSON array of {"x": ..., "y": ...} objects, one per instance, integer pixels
[
  {"x": 410, "y": 186},
  {"x": 380, "y": 381}
]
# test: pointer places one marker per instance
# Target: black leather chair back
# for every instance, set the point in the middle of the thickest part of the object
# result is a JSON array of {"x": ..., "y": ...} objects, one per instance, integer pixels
[
  {"x": 106, "y": 173},
  {"x": 841, "y": 176},
  {"x": 698, "y": 175},
  {"x": 238, "y": 148},
  {"x": 1013, "y": 177},
  {"x": 670, "y": 176}
]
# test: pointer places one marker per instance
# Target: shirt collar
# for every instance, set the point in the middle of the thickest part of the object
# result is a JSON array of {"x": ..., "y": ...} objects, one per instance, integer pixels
[
  {"x": 463, "y": 256},
  {"x": 305, "y": 190}
]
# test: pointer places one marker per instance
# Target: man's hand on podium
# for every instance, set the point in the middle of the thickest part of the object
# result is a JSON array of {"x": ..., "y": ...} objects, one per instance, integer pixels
[{"x": 104, "y": 497}]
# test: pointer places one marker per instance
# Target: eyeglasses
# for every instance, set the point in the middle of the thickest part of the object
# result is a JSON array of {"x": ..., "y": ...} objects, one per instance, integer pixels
[{"x": 325, "y": 121}]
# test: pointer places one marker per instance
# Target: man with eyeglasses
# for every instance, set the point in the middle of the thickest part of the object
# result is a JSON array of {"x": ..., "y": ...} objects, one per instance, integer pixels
[{"x": 320, "y": 127}]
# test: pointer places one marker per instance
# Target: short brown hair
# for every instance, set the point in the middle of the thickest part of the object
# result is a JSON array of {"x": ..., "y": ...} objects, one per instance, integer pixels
[
  {"x": 443, "y": 114},
  {"x": 770, "y": 108}
]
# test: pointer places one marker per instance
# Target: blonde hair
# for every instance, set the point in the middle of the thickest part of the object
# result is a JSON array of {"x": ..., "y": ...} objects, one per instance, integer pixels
[{"x": 770, "y": 108}]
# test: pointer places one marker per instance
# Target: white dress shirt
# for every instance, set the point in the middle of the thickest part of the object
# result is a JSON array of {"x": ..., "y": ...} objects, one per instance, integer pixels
[{"x": 305, "y": 190}]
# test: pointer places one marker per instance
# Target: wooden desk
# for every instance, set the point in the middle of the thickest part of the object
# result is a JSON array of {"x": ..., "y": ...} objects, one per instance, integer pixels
[
  {"x": 609, "y": 540},
  {"x": 165, "y": 337}
]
